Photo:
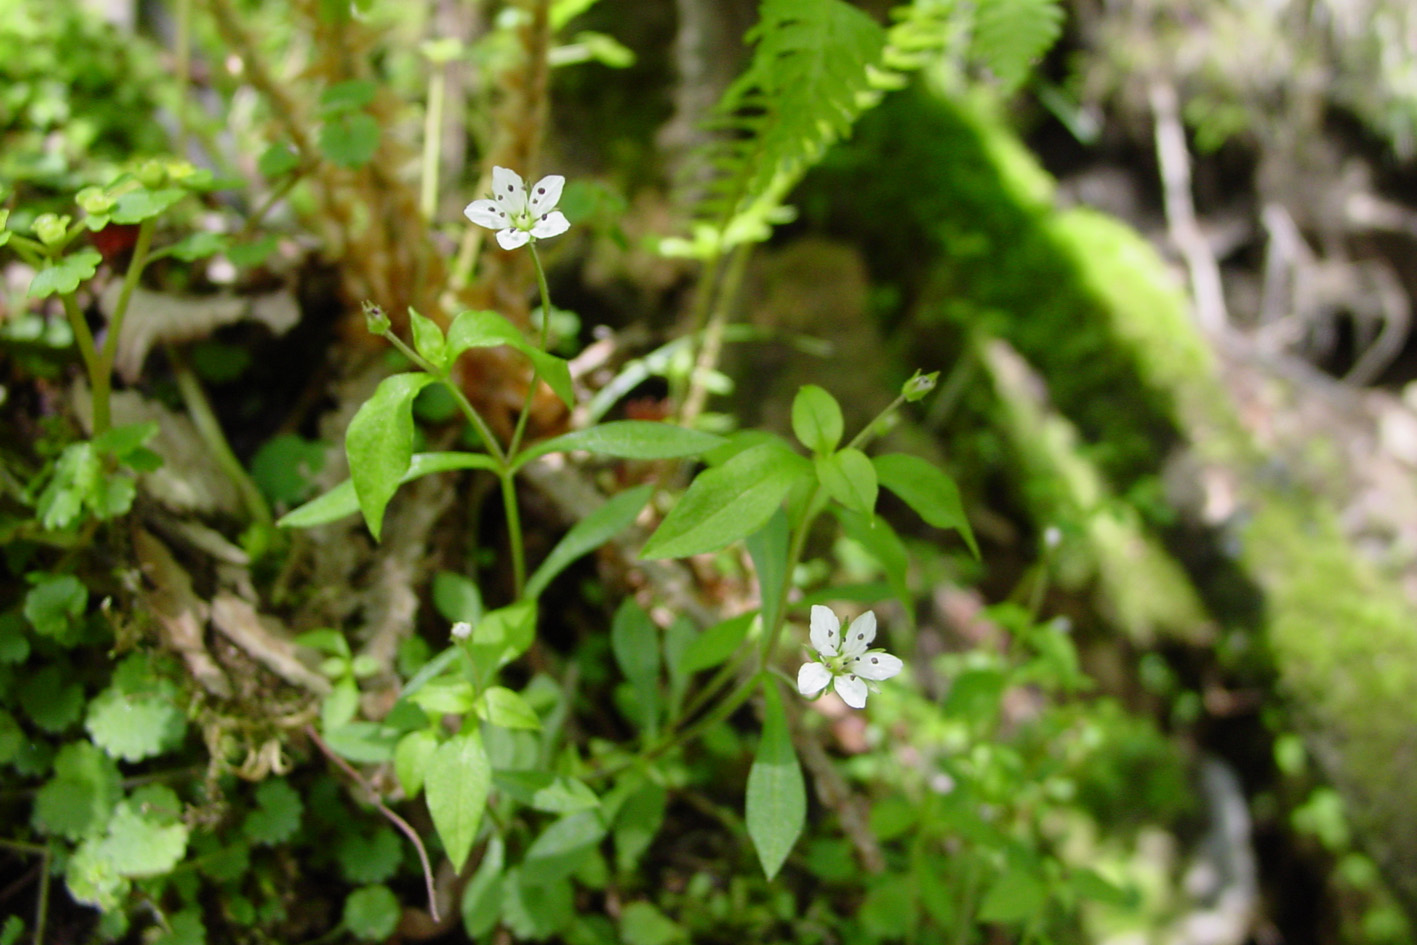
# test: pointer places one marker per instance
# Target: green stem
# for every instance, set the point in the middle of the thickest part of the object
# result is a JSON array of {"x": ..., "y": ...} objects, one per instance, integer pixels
[
  {"x": 82, "y": 336},
  {"x": 199, "y": 408},
  {"x": 484, "y": 432},
  {"x": 712, "y": 346},
  {"x": 432, "y": 141},
  {"x": 514, "y": 532},
  {"x": 102, "y": 376}
]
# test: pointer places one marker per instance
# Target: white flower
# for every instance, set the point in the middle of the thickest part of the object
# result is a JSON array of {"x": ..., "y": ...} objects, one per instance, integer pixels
[
  {"x": 462, "y": 630},
  {"x": 516, "y": 217},
  {"x": 849, "y": 667}
]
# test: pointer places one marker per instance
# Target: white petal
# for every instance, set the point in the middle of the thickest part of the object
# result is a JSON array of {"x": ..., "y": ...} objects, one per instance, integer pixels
[
  {"x": 826, "y": 631},
  {"x": 508, "y": 190},
  {"x": 545, "y": 194},
  {"x": 812, "y": 678},
  {"x": 874, "y": 665},
  {"x": 511, "y": 238},
  {"x": 551, "y": 224},
  {"x": 486, "y": 213},
  {"x": 860, "y": 634},
  {"x": 852, "y": 691}
]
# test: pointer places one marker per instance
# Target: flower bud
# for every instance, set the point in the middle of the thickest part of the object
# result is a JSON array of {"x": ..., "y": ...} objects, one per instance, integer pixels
[
  {"x": 51, "y": 228},
  {"x": 375, "y": 319},
  {"x": 919, "y": 385}
]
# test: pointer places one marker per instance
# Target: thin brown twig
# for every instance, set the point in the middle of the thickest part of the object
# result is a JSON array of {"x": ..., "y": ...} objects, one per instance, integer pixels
[{"x": 404, "y": 827}]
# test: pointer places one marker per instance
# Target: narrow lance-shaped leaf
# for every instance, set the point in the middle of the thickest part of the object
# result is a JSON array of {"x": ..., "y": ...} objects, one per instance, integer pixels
[
  {"x": 776, "y": 805},
  {"x": 342, "y": 500},
  {"x": 729, "y": 502},
  {"x": 379, "y": 444}
]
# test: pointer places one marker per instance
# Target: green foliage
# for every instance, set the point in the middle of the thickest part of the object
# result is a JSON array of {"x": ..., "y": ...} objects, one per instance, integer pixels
[
  {"x": 776, "y": 806},
  {"x": 277, "y": 813},
  {"x": 137, "y": 716},
  {"x": 802, "y": 91}
]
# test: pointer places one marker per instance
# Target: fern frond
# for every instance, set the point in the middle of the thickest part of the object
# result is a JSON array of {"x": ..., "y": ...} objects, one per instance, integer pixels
[
  {"x": 802, "y": 91},
  {"x": 1009, "y": 35}
]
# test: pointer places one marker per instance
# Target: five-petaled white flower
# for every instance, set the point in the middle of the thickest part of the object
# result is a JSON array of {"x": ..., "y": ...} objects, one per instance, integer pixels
[
  {"x": 848, "y": 666},
  {"x": 516, "y": 216}
]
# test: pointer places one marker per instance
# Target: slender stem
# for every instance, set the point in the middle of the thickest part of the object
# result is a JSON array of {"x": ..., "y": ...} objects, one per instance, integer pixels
[
  {"x": 712, "y": 346},
  {"x": 514, "y": 532},
  {"x": 484, "y": 432},
  {"x": 199, "y": 408},
  {"x": 183, "y": 56},
  {"x": 82, "y": 336},
  {"x": 432, "y": 140},
  {"x": 102, "y": 379},
  {"x": 815, "y": 503},
  {"x": 402, "y": 825}
]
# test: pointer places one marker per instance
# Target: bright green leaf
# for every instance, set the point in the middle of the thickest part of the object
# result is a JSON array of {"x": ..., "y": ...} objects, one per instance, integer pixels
[
  {"x": 428, "y": 340},
  {"x": 145, "y": 837},
  {"x": 816, "y": 419},
  {"x": 848, "y": 476},
  {"x": 776, "y": 805},
  {"x": 456, "y": 783},
  {"x": 628, "y": 439},
  {"x": 139, "y": 205},
  {"x": 501, "y": 706},
  {"x": 502, "y": 635},
  {"x": 768, "y": 547},
  {"x": 65, "y": 275},
  {"x": 729, "y": 502},
  {"x": 79, "y": 799},
  {"x": 926, "y": 489},
  {"x": 342, "y": 500},
  {"x": 379, "y": 444},
  {"x": 411, "y": 759}
]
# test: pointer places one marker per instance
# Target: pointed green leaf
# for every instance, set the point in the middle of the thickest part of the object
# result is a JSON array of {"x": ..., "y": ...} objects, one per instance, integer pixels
[
  {"x": 628, "y": 439},
  {"x": 776, "y": 805},
  {"x": 341, "y": 500},
  {"x": 542, "y": 790},
  {"x": 502, "y": 635},
  {"x": 768, "y": 547},
  {"x": 849, "y": 477},
  {"x": 457, "y": 781},
  {"x": 379, "y": 444},
  {"x": 588, "y": 534},
  {"x": 926, "y": 489},
  {"x": 563, "y": 847},
  {"x": 816, "y": 419},
  {"x": 634, "y": 639},
  {"x": 411, "y": 759},
  {"x": 728, "y": 502},
  {"x": 480, "y": 329},
  {"x": 428, "y": 340},
  {"x": 503, "y": 707}
]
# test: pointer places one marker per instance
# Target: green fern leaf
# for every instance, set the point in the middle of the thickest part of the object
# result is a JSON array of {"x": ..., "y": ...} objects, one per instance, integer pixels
[
  {"x": 1009, "y": 35},
  {"x": 804, "y": 88}
]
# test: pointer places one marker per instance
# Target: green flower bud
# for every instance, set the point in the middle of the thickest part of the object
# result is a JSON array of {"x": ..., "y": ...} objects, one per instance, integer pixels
[
  {"x": 51, "y": 228},
  {"x": 919, "y": 385},
  {"x": 375, "y": 319},
  {"x": 94, "y": 200}
]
